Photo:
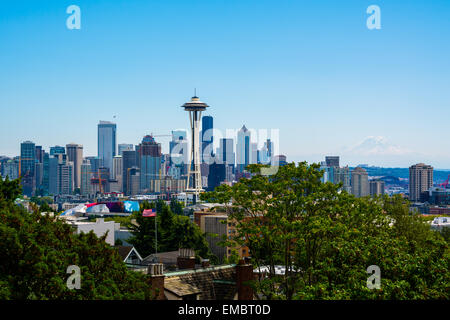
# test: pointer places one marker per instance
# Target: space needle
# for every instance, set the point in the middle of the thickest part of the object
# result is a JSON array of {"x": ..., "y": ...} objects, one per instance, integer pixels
[{"x": 195, "y": 108}]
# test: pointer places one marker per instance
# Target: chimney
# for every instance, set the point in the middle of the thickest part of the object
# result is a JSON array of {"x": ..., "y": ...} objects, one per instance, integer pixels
[
  {"x": 186, "y": 259},
  {"x": 244, "y": 273},
  {"x": 205, "y": 263},
  {"x": 155, "y": 271}
]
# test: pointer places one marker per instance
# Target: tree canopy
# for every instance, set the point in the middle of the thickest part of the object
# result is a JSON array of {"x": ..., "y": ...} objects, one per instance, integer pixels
[
  {"x": 326, "y": 239},
  {"x": 36, "y": 250},
  {"x": 174, "y": 232}
]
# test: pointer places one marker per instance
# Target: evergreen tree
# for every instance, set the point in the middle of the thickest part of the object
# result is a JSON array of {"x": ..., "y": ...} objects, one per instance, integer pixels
[{"x": 36, "y": 250}]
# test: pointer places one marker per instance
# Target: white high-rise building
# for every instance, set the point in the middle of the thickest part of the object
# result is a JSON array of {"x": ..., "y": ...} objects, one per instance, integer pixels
[
  {"x": 360, "y": 182},
  {"x": 117, "y": 170},
  {"x": 243, "y": 149},
  {"x": 420, "y": 180},
  {"x": 75, "y": 155}
]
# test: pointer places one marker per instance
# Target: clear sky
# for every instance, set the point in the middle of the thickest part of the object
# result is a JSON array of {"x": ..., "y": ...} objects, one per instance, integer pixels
[{"x": 311, "y": 69}]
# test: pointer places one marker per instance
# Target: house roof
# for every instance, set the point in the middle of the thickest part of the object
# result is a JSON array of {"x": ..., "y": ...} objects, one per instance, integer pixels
[
  {"x": 166, "y": 258},
  {"x": 125, "y": 251},
  {"x": 180, "y": 287},
  {"x": 213, "y": 283}
]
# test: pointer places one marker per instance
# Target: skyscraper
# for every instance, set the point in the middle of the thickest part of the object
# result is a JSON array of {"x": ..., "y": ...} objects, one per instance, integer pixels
[
  {"x": 254, "y": 153},
  {"x": 57, "y": 150},
  {"x": 39, "y": 154},
  {"x": 75, "y": 155},
  {"x": 46, "y": 171},
  {"x": 376, "y": 187},
  {"x": 95, "y": 162},
  {"x": 342, "y": 174},
  {"x": 225, "y": 152},
  {"x": 178, "y": 150},
  {"x": 86, "y": 175},
  {"x": 243, "y": 149},
  {"x": 332, "y": 161},
  {"x": 27, "y": 166},
  {"x": 107, "y": 143},
  {"x": 207, "y": 139},
  {"x": 266, "y": 153},
  {"x": 149, "y": 161},
  {"x": 133, "y": 181},
  {"x": 124, "y": 147},
  {"x": 420, "y": 180},
  {"x": 117, "y": 170},
  {"x": 53, "y": 175},
  {"x": 10, "y": 169},
  {"x": 360, "y": 182},
  {"x": 129, "y": 161},
  {"x": 65, "y": 178}
]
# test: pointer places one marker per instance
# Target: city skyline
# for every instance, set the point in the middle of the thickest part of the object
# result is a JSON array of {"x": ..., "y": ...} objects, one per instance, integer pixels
[{"x": 357, "y": 93}]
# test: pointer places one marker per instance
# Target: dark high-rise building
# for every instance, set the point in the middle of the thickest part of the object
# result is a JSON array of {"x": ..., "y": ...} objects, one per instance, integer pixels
[
  {"x": 217, "y": 174},
  {"x": 39, "y": 154},
  {"x": 149, "y": 152},
  {"x": 124, "y": 147},
  {"x": 46, "y": 172},
  {"x": 27, "y": 166},
  {"x": 57, "y": 150},
  {"x": 332, "y": 161},
  {"x": 129, "y": 160},
  {"x": 207, "y": 138},
  {"x": 133, "y": 181},
  {"x": 95, "y": 163},
  {"x": 53, "y": 175},
  {"x": 107, "y": 143}
]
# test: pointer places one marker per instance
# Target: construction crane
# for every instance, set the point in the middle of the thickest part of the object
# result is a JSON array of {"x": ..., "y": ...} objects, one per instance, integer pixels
[
  {"x": 98, "y": 179},
  {"x": 20, "y": 165},
  {"x": 445, "y": 183},
  {"x": 160, "y": 135}
]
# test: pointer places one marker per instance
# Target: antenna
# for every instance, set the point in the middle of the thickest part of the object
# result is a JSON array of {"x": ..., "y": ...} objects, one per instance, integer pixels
[{"x": 195, "y": 92}]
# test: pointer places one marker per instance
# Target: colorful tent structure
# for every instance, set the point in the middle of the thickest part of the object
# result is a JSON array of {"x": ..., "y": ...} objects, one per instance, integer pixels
[{"x": 131, "y": 206}]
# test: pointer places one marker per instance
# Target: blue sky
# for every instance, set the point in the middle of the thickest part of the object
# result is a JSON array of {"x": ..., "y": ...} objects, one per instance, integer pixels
[{"x": 311, "y": 69}]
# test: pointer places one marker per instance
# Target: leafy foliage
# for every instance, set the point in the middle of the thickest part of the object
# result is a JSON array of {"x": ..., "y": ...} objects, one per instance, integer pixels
[
  {"x": 326, "y": 239},
  {"x": 36, "y": 250},
  {"x": 174, "y": 232}
]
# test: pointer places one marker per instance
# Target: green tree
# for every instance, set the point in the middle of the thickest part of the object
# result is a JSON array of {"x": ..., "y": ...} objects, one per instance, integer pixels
[
  {"x": 174, "y": 232},
  {"x": 326, "y": 238},
  {"x": 176, "y": 207},
  {"x": 36, "y": 250}
]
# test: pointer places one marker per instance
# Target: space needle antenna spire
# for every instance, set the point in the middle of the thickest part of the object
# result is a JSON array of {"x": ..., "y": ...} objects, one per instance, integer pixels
[{"x": 194, "y": 178}]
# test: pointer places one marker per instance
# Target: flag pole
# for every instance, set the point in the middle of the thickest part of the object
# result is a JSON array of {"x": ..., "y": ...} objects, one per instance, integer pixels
[{"x": 156, "y": 236}]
